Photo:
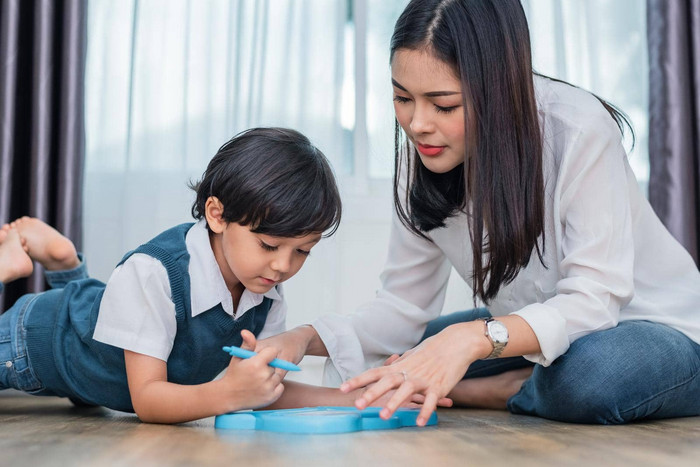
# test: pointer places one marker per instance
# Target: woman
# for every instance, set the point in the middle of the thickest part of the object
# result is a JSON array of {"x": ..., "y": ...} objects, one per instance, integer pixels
[{"x": 520, "y": 183}]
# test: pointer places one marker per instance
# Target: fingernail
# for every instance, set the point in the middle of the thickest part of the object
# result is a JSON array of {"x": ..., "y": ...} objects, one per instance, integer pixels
[
  {"x": 384, "y": 413},
  {"x": 343, "y": 387},
  {"x": 420, "y": 421}
]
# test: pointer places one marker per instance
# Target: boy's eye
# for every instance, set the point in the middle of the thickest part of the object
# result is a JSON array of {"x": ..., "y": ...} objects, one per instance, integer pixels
[
  {"x": 267, "y": 247},
  {"x": 303, "y": 252}
]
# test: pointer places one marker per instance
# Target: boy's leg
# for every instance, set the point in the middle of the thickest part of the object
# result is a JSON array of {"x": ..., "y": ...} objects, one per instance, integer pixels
[
  {"x": 637, "y": 370},
  {"x": 55, "y": 252},
  {"x": 14, "y": 261}
]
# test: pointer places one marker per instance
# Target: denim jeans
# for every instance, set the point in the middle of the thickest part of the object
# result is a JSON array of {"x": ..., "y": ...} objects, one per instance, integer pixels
[
  {"x": 15, "y": 368},
  {"x": 635, "y": 371}
]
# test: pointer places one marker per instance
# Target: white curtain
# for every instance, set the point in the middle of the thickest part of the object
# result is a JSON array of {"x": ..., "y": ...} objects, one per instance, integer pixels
[
  {"x": 599, "y": 45},
  {"x": 170, "y": 81}
]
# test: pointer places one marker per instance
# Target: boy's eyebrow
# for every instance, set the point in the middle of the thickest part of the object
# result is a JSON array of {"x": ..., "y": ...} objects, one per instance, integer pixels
[{"x": 427, "y": 94}]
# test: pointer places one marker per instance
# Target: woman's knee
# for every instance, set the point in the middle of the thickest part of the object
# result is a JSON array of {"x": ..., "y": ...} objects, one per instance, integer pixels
[{"x": 628, "y": 373}]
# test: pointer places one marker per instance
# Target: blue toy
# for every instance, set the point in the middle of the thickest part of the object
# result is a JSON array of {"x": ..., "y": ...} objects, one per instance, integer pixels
[{"x": 319, "y": 420}]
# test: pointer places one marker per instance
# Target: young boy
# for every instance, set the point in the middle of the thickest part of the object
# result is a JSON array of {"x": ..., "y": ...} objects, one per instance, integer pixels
[{"x": 151, "y": 339}]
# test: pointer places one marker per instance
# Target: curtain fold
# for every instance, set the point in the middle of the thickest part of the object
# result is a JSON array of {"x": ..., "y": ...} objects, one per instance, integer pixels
[
  {"x": 674, "y": 117},
  {"x": 42, "y": 137}
]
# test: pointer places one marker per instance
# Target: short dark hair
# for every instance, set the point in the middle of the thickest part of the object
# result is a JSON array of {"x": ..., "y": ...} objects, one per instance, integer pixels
[{"x": 274, "y": 180}]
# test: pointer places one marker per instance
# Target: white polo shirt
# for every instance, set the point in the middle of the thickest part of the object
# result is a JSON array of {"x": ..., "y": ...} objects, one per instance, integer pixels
[{"x": 137, "y": 312}]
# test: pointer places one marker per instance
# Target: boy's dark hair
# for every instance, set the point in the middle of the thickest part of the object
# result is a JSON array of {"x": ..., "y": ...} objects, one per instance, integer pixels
[{"x": 274, "y": 180}]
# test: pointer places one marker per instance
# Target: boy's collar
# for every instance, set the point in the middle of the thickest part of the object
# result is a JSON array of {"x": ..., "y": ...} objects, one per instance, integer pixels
[{"x": 207, "y": 285}]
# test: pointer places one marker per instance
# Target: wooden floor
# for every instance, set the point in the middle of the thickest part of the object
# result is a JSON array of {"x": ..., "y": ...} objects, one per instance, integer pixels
[{"x": 41, "y": 431}]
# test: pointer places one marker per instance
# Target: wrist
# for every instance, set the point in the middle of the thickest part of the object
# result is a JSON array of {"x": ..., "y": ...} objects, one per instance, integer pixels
[
  {"x": 474, "y": 342},
  {"x": 312, "y": 341}
]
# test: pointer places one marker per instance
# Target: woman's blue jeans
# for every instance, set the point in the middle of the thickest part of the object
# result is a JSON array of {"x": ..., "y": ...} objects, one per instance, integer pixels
[{"x": 635, "y": 371}]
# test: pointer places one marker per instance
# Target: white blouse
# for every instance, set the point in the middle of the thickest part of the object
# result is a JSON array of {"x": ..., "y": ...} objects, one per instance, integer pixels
[
  {"x": 137, "y": 312},
  {"x": 608, "y": 257}
]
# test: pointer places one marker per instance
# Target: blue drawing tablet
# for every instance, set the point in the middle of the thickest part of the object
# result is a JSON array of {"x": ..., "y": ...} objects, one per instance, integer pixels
[{"x": 319, "y": 420}]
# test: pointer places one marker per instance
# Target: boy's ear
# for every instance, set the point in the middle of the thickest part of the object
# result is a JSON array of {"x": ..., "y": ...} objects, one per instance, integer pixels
[{"x": 214, "y": 213}]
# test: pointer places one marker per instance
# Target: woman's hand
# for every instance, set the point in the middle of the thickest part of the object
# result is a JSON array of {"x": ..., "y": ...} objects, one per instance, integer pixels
[{"x": 431, "y": 369}]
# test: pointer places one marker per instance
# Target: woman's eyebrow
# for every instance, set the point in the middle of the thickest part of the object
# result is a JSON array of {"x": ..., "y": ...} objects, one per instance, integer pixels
[{"x": 427, "y": 94}]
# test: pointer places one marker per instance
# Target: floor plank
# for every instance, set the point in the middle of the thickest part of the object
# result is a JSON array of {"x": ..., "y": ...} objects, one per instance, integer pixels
[{"x": 50, "y": 431}]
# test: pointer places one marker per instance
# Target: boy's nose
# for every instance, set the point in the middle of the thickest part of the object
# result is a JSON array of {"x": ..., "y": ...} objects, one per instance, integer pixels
[{"x": 280, "y": 264}]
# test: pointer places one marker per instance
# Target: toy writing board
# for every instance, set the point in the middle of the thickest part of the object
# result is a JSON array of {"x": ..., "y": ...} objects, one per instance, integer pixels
[{"x": 319, "y": 420}]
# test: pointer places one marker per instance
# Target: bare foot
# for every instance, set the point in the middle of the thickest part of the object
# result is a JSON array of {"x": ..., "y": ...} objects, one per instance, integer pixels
[
  {"x": 3, "y": 234},
  {"x": 490, "y": 392},
  {"x": 14, "y": 261},
  {"x": 46, "y": 245}
]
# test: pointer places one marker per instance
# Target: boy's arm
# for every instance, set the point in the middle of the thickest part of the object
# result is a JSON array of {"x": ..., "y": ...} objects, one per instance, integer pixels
[
  {"x": 247, "y": 384},
  {"x": 305, "y": 395}
]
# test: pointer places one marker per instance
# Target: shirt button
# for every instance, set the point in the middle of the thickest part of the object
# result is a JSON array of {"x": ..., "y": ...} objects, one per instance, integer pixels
[{"x": 8, "y": 364}]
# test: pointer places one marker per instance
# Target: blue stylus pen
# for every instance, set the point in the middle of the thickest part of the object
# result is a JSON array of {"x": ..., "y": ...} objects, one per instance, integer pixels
[{"x": 277, "y": 363}]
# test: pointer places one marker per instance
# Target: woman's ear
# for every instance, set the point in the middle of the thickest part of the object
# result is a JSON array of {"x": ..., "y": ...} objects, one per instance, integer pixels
[{"x": 214, "y": 213}]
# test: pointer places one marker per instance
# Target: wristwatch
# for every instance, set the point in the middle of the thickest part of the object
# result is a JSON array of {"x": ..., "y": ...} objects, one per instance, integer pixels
[{"x": 497, "y": 333}]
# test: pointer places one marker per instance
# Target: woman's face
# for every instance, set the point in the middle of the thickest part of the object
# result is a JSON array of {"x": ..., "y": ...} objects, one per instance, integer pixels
[{"x": 428, "y": 106}]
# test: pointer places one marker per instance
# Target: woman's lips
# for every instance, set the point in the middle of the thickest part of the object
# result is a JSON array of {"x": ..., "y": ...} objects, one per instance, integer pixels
[{"x": 428, "y": 150}]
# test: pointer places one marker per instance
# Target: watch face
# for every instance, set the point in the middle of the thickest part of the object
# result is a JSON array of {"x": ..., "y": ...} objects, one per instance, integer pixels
[{"x": 498, "y": 331}]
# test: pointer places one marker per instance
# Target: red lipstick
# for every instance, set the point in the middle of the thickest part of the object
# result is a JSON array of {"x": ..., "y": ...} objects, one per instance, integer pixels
[{"x": 428, "y": 150}]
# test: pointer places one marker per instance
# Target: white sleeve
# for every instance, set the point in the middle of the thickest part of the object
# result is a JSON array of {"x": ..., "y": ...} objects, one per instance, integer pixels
[
  {"x": 414, "y": 282},
  {"x": 276, "y": 321},
  {"x": 137, "y": 312},
  {"x": 596, "y": 251}
]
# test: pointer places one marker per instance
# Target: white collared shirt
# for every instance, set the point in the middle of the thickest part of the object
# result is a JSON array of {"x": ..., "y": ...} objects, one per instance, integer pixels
[
  {"x": 137, "y": 312},
  {"x": 608, "y": 257}
]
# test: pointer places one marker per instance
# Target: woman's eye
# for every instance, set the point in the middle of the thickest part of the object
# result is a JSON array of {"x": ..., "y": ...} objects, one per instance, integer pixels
[
  {"x": 267, "y": 247},
  {"x": 401, "y": 100},
  {"x": 447, "y": 110}
]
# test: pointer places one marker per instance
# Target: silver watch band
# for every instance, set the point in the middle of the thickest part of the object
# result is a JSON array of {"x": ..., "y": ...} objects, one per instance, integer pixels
[{"x": 497, "y": 346}]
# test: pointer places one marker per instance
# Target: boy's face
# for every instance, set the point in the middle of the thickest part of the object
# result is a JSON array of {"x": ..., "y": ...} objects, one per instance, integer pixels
[{"x": 259, "y": 261}]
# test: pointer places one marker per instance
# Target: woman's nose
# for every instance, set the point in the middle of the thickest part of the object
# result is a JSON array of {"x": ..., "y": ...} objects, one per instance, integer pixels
[{"x": 420, "y": 121}]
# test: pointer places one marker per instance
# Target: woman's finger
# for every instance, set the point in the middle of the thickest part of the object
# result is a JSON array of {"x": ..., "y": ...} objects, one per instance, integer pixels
[
  {"x": 428, "y": 408},
  {"x": 366, "y": 378},
  {"x": 403, "y": 393},
  {"x": 391, "y": 359},
  {"x": 377, "y": 390}
]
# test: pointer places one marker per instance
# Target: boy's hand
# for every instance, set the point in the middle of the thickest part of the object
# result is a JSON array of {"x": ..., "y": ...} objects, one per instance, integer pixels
[{"x": 251, "y": 383}]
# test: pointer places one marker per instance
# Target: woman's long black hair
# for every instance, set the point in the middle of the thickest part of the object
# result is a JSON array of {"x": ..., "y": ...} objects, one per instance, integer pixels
[{"x": 501, "y": 183}]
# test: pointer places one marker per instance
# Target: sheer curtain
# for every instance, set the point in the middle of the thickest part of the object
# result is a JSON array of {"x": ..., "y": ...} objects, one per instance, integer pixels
[
  {"x": 599, "y": 45},
  {"x": 169, "y": 81}
]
